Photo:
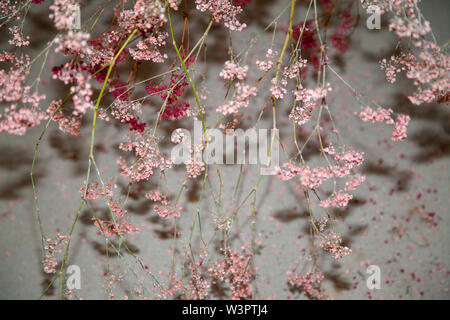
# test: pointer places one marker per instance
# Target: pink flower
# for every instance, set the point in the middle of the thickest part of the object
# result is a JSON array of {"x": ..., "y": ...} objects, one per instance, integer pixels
[
  {"x": 309, "y": 100},
  {"x": 194, "y": 168},
  {"x": 73, "y": 43},
  {"x": 18, "y": 40},
  {"x": 237, "y": 271},
  {"x": 109, "y": 228},
  {"x": 241, "y": 99},
  {"x": 333, "y": 244},
  {"x": 172, "y": 95},
  {"x": 63, "y": 13},
  {"x": 148, "y": 157},
  {"x": 267, "y": 64},
  {"x": 308, "y": 281},
  {"x": 51, "y": 248},
  {"x": 147, "y": 49},
  {"x": 400, "y": 128},
  {"x": 223, "y": 10},
  {"x": 385, "y": 115},
  {"x": 167, "y": 212},
  {"x": 93, "y": 192},
  {"x": 233, "y": 71},
  {"x": 337, "y": 200},
  {"x": 355, "y": 182}
]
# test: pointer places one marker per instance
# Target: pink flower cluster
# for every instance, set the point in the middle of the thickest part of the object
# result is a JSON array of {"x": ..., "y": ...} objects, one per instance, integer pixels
[
  {"x": 235, "y": 269},
  {"x": 15, "y": 119},
  {"x": 81, "y": 91},
  {"x": 146, "y": 15},
  {"x": 73, "y": 42},
  {"x": 355, "y": 182},
  {"x": 148, "y": 158},
  {"x": 165, "y": 209},
  {"x": 400, "y": 128},
  {"x": 198, "y": 284},
  {"x": 94, "y": 192},
  {"x": 332, "y": 243},
  {"x": 232, "y": 71},
  {"x": 267, "y": 64},
  {"x": 118, "y": 225},
  {"x": 337, "y": 200},
  {"x": 174, "y": 4},
  {"x": 413, "y": 28},
  {"x": 425, "y": 63},
  {"x": 385, "y": 115},
  {"x": 18, "y": 39},
  {"x": 223, "y": 10},
  {"x": 310, "y": 99},
  {"x": 63, "y": 13},
  {"x": 278, "y": 88},
  {"x": 124, "y": 110},
  {"x": 313, "y": 178},
  {"x": 172, "y": 95},
  {"x": 194, "y": 168},
  {"x": 109, "y": 228},
  {"x": 51, "y": 248},
  {"x": 308, "y": 282},
  {"x": 147, "y": 49},
  {"x": 241, "y": 99}
]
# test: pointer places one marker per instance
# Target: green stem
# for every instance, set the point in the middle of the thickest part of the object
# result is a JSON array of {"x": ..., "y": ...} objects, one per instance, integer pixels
[{"x": 91, "y": 156}]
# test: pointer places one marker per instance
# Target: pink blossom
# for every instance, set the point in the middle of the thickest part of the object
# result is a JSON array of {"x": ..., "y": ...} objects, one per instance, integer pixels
[
  {"x": 337, "y": 200},
  {"x": 93, "y": 191},
  {"x": 241, "y": 99},
  {"x": 147, "y": 49},
  {"x": 308, "y": 281},
  {"x": 233, "y": 71},
  {"x": 194, "y": 168},
  {"x": 17, "y": 121},
  {"x": 63, "y": 13},
  {"x": 223, "y": 10},
  {"x": 309, "y": 100},
  {"x": 400, "y": 128},
  {"x": 167, "y": 212},
  {"x": 278, "y": 88},
  {"x": 148, "y": 157},
  {"x": 332, "y": 243},
  {"x": 51, "y": 248},
  {"x": 237, "y": 271},
  {"x": 73, "y": 42},
  {"x": 355, "y": 182},
  {"x": 267, "y": 64},
  {"x": 380, "y": 115},
  {"x": 18, "y": 40},
  {"x": 109, "y": 228}
]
